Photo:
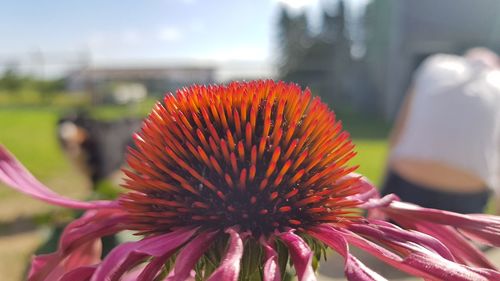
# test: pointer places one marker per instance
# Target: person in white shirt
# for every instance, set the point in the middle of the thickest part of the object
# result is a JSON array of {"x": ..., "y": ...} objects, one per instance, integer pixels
[{"x": 445, "y": 145}]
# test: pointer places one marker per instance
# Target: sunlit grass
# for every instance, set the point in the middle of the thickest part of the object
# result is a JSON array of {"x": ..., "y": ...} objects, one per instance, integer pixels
[
  {"x": 30, "y": 133},
  {"x": 371, "y": 158}
]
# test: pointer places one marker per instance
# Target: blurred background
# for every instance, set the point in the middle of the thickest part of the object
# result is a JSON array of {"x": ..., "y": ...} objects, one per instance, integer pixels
[{"x": 76, "y": 78}]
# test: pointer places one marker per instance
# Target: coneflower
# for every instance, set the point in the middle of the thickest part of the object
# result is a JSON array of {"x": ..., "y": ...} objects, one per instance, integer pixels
[
  {"x": 235, "y": 182},
  {"x": 263, "y": 156}
]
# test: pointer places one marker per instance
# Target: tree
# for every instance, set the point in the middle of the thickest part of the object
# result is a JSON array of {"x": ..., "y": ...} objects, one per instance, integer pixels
[
  {"x": 293, "y": 41},
  {"x": 11, "y": 81}
]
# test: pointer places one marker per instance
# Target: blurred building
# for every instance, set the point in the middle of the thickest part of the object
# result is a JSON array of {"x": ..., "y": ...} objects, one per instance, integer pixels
[
  {"x": 104, "y": 83},
  {"x": 401, "y": 33}
]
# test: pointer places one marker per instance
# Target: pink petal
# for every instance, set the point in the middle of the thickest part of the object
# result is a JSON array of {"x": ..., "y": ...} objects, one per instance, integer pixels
[
  {"x": 413, "y": 255},
  {"x": 154, "y": 266},
  {"x": 386, "y": 231},
  {"x": 52, "y": 266},
  {"x": 83, "y": 273},
  {"x": 271, "y": 268},
  {"x": 79, "y": 244},
  {"x": 300, "y": 254},
  {"x": 133, "y": 274},
  {"x": 229, "y": 269},
  {"x": 482, "y": 228},
  {"x": 191, "y": 277},
  {"x": 128, "y": 255},
  {"x": 366, "y": 189},
  {"x": 354, "y": 269},
  {"x": 15, "y": 175},
  {"x": 479, "y": 227},
  {"x": 442, "y": 269},
  {"x": 369, "y": 197},
  {"x": 190, "y": 254},
  {"x": 373, "y": 203},
  {"x": 381, "y": 253},
  {"x": 120, "y": 260},
  {"x": 461, "y": 248}
]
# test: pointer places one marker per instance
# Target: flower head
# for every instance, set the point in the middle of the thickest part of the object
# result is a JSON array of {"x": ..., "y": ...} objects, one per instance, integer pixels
[
  {"x": 231, "y": 182},
  {"x": 262, "y": 156}
]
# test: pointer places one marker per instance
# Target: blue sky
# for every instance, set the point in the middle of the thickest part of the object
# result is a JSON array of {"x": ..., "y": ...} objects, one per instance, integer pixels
[{"x": 121, "y": 30}]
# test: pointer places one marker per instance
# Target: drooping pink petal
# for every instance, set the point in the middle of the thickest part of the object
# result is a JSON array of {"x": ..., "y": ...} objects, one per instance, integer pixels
[
  {"x": 83, "y": 273},
  {"x": 52, "y": 266},
  {"x": 479, "y": 227},
  {"x": 461, "y": 248},
  {"x": 446, "y": 226},
  {"x": 365, "y": 188},
  {"x": 271, "y": 268},
  {"x": 442, "y": 269},
  {"x": 300, "y": 254},
  {"x": 79, "y": 244},
  {"x": 381, "y": 253},
  {"x": 89, "y": 254},
  {"x": 354, "y": 269},
  {"x": 120, "y": 260},
  {"x": 37, "y": 269},
  {"x": 407, "y": 254},
  {"x": 128, "y": 255},
  {"x": 229, "y": 269},
  {"x": 15, "y": 175},
  {"x": 369, "y": 197},
  {"x": 133, "y": 274},
  {"x": 152, "y": 268},
  {"x": 191, "y": 277},
  {"x": 373, "y": 203},
  {"x": 190, "y": 254},
  {"x": 386, "y": 231}
]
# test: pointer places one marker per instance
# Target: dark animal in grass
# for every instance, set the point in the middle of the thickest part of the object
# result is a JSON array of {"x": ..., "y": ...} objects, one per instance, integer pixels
[{"x": 97, "y": 147}]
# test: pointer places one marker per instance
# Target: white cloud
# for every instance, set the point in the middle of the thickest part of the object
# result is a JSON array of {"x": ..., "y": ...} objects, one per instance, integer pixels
[{"x": 170, "y": 34}]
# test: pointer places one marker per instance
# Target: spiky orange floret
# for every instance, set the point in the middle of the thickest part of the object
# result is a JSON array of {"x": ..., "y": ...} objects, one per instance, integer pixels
[{"x": 262, "y": 155}]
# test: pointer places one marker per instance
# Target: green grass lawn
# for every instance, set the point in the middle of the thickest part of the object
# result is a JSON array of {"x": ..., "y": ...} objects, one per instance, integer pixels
[
  {"x": 371, "y": 158},
  {"x": 30, "y": 134}
]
